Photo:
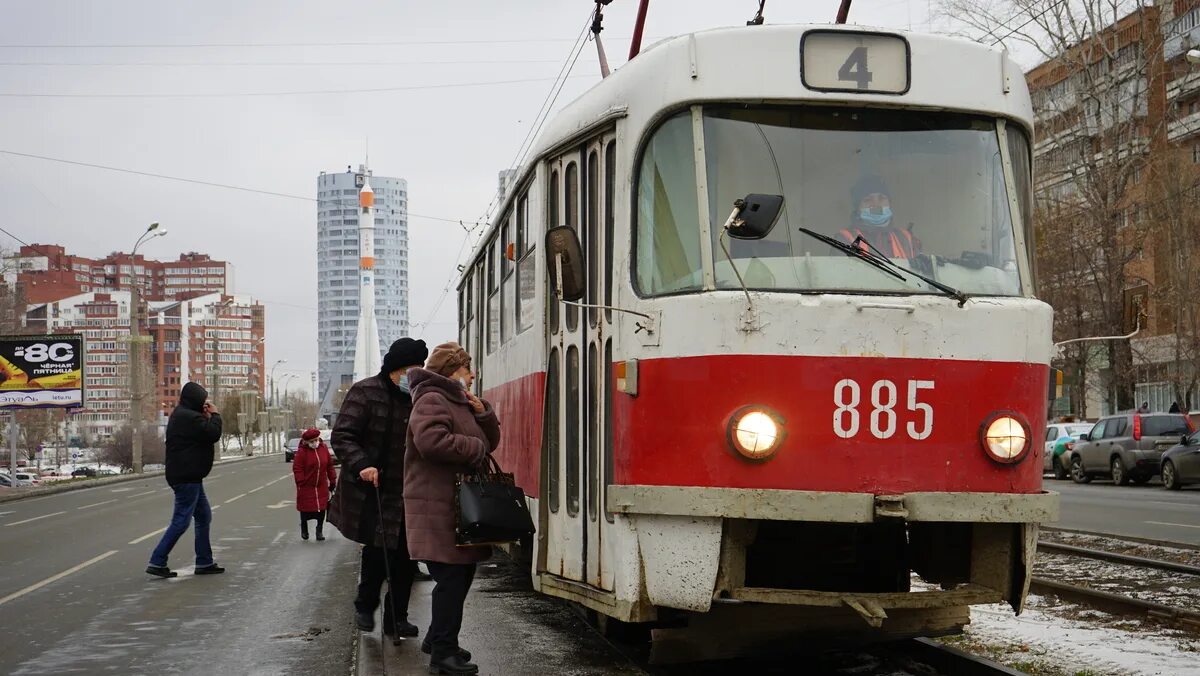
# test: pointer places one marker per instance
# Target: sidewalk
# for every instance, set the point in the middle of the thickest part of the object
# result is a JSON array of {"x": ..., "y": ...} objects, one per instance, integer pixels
[{"x": 509, "y": 629}]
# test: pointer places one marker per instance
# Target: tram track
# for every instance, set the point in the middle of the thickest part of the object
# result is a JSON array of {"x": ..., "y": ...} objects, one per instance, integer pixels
[{"x": 1165, "y": 591}]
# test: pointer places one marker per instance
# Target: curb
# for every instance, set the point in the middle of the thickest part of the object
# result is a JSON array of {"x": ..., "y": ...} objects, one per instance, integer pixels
[{"x": 42, "y": 491}]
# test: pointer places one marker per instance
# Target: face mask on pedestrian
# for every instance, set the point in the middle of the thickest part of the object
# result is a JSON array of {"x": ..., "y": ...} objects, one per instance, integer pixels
[
  {"x": 875, "y": 216},
  {"x": 462, "y": 381},
  {"x": 403, "y": 383},
  {"x": 314, "y": 444}
]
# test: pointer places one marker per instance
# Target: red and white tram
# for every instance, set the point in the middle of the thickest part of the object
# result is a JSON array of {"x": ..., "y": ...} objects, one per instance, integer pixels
[{"x": 775, "y": 429}]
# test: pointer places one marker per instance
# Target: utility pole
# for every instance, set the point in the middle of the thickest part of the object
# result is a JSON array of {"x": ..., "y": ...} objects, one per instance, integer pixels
[
  {"x": 135, "y": 338},
  {"x": 12, "y": 446}
]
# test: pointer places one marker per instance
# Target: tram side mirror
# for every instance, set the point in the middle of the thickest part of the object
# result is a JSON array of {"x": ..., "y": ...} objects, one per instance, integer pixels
[
  {"x": 564, "y": 261},
  {"x": 755, "y": 217}
]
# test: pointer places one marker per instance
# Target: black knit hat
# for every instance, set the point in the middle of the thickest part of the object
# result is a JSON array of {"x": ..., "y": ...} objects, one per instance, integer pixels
[
  {"x": 405, "y": 352},
  {"x": 865, "y": 186}
]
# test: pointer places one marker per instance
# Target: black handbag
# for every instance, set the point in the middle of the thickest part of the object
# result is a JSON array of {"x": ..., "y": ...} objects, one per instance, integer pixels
[{"x": 490, "y": 508}]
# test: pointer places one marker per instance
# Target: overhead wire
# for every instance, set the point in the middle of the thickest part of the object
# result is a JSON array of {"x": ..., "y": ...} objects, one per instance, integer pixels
[
  {"x": 255, "y": 45},
  {"x": 313, "y": 92},
  {"x": 200, "y": 64},
  {"x": 526, "y": 144},
  {"x": 1035, "y": 17},
  {"x": 196, "y": 181}
]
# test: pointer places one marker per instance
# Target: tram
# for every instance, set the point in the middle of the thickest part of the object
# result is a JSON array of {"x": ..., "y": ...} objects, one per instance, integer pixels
[{"x": 741, "y": 403}]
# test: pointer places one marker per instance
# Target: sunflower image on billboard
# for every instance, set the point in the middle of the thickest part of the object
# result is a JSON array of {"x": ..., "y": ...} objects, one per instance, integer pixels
[{"x": 41, "y": 371}]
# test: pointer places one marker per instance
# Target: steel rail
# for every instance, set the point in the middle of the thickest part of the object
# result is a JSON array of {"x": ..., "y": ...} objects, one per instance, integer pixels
[
  {"x": 950, "y": 660},
  {"x": 1115, "y": 602},
  {"x": 1112, "y": 557}
]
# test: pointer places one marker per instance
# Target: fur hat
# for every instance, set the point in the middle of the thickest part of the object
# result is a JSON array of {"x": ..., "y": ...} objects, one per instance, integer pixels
[
  {"x": 310, "y": 434},
  {"x": 448, "y": 358},
  {"x": 405, "y": 352}
]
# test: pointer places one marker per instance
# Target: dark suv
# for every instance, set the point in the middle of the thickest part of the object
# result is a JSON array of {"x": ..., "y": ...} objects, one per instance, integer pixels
[{"x": 1126, "y": 447}]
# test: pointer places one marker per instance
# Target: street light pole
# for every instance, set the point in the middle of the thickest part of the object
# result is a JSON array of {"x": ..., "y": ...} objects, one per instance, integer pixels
[
  {"x": 135, "y": 380},
  {"x": 273, "y": 366}
]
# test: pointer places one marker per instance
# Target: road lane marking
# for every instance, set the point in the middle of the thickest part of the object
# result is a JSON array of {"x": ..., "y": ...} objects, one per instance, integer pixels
[
  {"x": 55, "y": 578},
  {"x": 130, "y": 497},
  {"x": 97, "y": 504},
  {"x": 236, "y": 497},
  {"x": 147, "y": 536},
  {"x": 282, "y": 535},
  {"x": 121, "y": 490},
  {"x": 3, "y": 513},
  {"x": 44, "y": 516},
  {"x": 1156, "y": 523},
  {"x": 277, "y": 480},
  {"x": 255, "y": 490},
  {"x": 280, "y": 504}
]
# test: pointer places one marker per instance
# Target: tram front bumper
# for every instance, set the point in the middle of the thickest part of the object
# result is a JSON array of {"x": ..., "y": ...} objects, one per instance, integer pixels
[{"x": 789, "y": 505}]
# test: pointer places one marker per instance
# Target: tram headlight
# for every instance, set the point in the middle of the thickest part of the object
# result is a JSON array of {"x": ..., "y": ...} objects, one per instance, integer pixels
[
  {"x": 755, "y": 432},
  {"x": 1005, "y": 437}
]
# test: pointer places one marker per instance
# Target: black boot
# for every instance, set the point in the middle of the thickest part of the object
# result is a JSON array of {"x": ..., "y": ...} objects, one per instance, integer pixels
[
  {"x": 320, "y": 536},
  {"x": 427, "y": 648},
  {"x": 404, "y": 628},
  {"x": 303, "y": 534},
  {"x": 364, "y": 620},
  {"x": 453, "y": 664}
]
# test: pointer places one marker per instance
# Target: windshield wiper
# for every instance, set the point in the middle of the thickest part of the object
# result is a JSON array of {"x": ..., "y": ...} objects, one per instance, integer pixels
[
  {"x": 875, "y": 257},
  {"x": 856, "y": 252}
]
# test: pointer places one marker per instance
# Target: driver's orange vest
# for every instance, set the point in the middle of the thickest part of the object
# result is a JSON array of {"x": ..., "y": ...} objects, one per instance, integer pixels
[{"x": 901, "y": 241}]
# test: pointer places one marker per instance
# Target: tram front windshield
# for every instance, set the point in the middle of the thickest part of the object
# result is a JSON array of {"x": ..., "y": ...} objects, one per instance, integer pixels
[{"x": 926, "y": 190}]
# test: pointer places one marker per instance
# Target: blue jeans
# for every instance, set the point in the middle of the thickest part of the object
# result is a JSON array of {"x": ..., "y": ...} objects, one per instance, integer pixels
[{"x": 190, "y": 502}]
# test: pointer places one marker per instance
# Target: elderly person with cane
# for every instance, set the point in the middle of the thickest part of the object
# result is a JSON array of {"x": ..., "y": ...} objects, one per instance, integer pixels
[
  {"x": 451, "y": 431},
  {"x": 368, "y": 505}
]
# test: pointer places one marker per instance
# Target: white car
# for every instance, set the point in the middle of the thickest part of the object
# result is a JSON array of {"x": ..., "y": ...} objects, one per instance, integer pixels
[{"x": 1056, "y": 431}]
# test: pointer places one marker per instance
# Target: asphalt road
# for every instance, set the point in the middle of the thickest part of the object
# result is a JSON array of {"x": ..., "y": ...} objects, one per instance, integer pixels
[
  {"x": 74, "y": 597},
  {"x": 1147, "y": 511}
]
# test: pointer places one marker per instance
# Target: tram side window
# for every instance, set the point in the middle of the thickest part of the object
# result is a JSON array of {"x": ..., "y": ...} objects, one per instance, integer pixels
[
  {"x": 493, "y": 303},
  {"x": 572, "y": 421},
  {"x": 668, "y": 240},
  {"x": 553, "y": 410},
  {"x": 610, "y": 184},
  {"x": 552, "y": 220},
  {"x": 480, "y": 297},
  {"x": 593, "y": 235},
  {"x": 571, "y": 202},
  {"x": 526, "y": 268},
  {"x": 509, "y": 281},
  {"x": 1018, "y": 149},
  {"x": 467, "y": 302}
]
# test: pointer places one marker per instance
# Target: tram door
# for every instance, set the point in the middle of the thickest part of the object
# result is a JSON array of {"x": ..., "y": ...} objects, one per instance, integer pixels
[{"x": 579, "y": 384}]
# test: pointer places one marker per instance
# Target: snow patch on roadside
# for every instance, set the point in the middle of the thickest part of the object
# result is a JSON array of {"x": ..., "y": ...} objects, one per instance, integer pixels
[{"x": 1125, "y": 648}]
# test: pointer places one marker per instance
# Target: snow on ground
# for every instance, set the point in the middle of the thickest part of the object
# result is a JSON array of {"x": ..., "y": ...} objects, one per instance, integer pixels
[
  {"x": 1188, "y": 556},
  {"x": 1101, "y": 644},
  {"x": 1168, "y": 588}
]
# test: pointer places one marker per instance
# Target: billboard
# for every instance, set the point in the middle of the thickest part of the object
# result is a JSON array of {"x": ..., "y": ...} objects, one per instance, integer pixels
[{"x": 41, "y": 371}]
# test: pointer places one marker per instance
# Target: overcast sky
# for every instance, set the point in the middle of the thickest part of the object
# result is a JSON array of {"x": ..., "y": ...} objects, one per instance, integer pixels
[{"x": 184, "y": 88}]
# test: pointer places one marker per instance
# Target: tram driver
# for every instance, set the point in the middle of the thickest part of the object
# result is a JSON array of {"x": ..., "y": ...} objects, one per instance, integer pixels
[{"x": 872, "y": 221}]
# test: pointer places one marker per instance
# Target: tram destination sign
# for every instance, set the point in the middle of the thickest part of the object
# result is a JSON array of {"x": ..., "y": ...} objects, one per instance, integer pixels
[
  {"x": 862, "y": 63},
  {"x": 41, "y": 371}
]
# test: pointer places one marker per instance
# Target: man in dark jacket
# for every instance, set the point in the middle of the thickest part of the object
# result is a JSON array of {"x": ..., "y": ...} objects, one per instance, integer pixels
[
  {"x": 192, "y": 429},
  {"x": 368, "y": 437}
]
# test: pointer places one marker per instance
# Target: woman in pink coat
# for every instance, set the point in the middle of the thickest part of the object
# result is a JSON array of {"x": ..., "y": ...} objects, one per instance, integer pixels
[
  {"x": 315, "y": 479},
  {"x": 450, "y": 431}
]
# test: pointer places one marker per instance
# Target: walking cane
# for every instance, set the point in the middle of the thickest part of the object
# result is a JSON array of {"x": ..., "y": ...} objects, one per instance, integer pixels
[{"x": 387, "y": 569}]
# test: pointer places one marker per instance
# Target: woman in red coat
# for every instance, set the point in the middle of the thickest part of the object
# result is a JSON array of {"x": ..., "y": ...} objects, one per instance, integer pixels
[{"x": 315, "y": 479}]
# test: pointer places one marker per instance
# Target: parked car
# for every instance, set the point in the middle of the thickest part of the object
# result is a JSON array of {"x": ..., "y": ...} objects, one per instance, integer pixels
[
  {"x": 84, "y": 471},
  {"x": 32, "y": 478},
  {"x": 1060, "y": 438},
  {"x": 1181, "y": 463},
  {"x": 290, "y": 448},
  {"x": 1126, "y": 447},
  {"x": 18, "y": 482}
]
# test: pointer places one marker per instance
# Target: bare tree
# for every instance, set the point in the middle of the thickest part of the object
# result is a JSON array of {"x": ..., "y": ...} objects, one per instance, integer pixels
[
  {"x": 118, "y": 450},
  {"x": 1175, "y": 199},
  {"x": 36, "y": 427},
  {"x": 1098, "y": 100}
]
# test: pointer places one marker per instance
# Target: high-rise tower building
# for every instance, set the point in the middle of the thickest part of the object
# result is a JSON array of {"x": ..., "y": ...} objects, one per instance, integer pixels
[{"x": 338, "y": 271}]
